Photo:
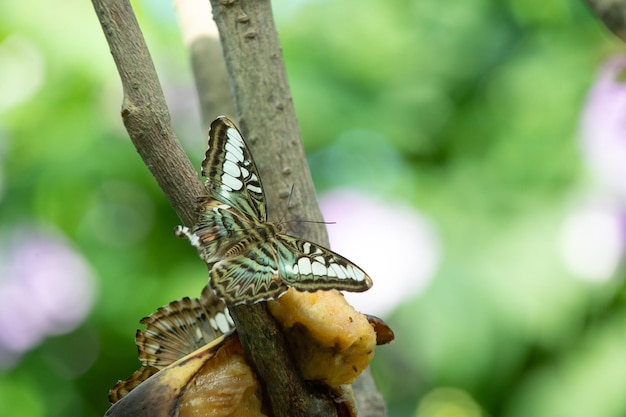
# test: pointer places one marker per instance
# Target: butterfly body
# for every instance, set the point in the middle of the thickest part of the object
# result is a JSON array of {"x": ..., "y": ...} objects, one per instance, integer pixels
[{"x": 249, "y": 258}]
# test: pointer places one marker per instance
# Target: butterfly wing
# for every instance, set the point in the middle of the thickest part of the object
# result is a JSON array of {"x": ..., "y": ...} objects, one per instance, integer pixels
[
  {"x": 122, "y": 388},
  {"x": 309, "y": 267},
  {"x": 232, "y": 176},
  {"x": 249, "y": 276},
  {"x": 180, "y": 328},
  {"x": 164, "y": 393}
]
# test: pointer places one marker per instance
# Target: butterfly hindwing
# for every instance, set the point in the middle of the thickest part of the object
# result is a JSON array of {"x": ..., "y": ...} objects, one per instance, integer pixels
[
  {"x": 180, "y": 328},
  {"x": 122, "y": 388},
  {"x": 232, "y": 176},
  {"x": 174, "y": 331},
  {"x": 248, "y": 277}
]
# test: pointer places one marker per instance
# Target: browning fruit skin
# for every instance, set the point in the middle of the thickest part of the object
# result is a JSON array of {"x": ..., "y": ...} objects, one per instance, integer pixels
[
  {"x": 213, "y": 381},
  {"x": 331, "y": 341}
]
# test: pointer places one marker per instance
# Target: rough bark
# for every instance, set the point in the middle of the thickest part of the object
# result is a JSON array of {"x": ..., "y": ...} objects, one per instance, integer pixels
[{"x": 144, "y": 111}]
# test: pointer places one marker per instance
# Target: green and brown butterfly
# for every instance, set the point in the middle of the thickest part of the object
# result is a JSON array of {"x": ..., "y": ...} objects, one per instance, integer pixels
[{"x": 249, "y": 258}]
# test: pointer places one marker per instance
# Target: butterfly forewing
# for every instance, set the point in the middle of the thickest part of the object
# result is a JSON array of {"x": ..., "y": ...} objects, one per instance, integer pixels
[
  {"x": 309, "y": 267},
  {"x": 232, "y": 176}
]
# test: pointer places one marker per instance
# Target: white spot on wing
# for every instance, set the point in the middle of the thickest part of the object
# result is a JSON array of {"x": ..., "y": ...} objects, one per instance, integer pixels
[
  {"x": 357, "y": 274},
  {"x": 306, "y": 247},
  {"x": 318, "y": 268},
  {"x": 232, "y": 169},
  {"x": 151, "y": 348},
  {"x": 304, "y": 265},
  {"x": 236, "y": 142},
  {"x": 231, "y": 182},
  {"x": 234, "y": 150},
  {"x": 339, "y": 271},
  {"x": 193, "y": 239},
  {"x": 222, "y": 322},
  {"x": 228, "y": 318}
]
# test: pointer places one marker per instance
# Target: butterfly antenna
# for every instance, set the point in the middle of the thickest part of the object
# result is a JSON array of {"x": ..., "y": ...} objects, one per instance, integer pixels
[
  {"x": 283, "y": 221},
  {"x": 310, "y": 221}
]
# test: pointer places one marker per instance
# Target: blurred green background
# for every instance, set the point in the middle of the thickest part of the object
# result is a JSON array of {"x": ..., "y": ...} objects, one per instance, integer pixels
[{"x": 466, "y": 113}]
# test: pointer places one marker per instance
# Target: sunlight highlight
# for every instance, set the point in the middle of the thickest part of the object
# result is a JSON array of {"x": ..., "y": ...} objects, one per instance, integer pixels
[
  {"x": 591, "y": 242},
  {"x": 21, "y": 73}
]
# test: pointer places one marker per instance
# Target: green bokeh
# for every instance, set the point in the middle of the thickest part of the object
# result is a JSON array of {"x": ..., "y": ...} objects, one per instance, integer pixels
[{"x": 466, "y": 110}]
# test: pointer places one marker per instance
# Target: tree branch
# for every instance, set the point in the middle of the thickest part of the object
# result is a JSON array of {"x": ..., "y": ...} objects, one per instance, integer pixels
[
  {"x": 267, "y": 117},
  {"x": 147, "y": 121},
  {"x": 207, "y": 60},
  {"x": 144, "y": 111},
  {"x": 263, "y": 100}
]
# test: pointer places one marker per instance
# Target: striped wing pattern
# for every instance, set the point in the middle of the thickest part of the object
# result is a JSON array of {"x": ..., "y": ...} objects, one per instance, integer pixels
[
  {"x": 251, "y": 275},
  {"x": 232, "y": 175},
  {"x": 180, "y": 328},
  {"x": 122, "y": 388},
  {"x": 173, "y": 332},
  {"x": 249, "y": 259},
  {"x": 306, "y": 266}
]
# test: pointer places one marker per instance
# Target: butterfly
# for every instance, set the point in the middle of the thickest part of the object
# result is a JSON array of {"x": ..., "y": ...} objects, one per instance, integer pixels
[{"x": 249, "y": 258}]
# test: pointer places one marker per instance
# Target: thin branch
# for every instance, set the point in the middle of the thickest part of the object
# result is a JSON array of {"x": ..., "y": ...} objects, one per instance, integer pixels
[
  {"x": 144, "y": 111},
  {"x": 207, "y": 60}
]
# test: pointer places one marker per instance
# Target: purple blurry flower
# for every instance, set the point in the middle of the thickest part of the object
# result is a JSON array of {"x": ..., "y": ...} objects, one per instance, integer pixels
[
  {"x": 396, "y": 246},
  {"x": 603, "y": 128},
  {"x": 592, "y": 241},
  {"x": 46, "y": 288}
]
